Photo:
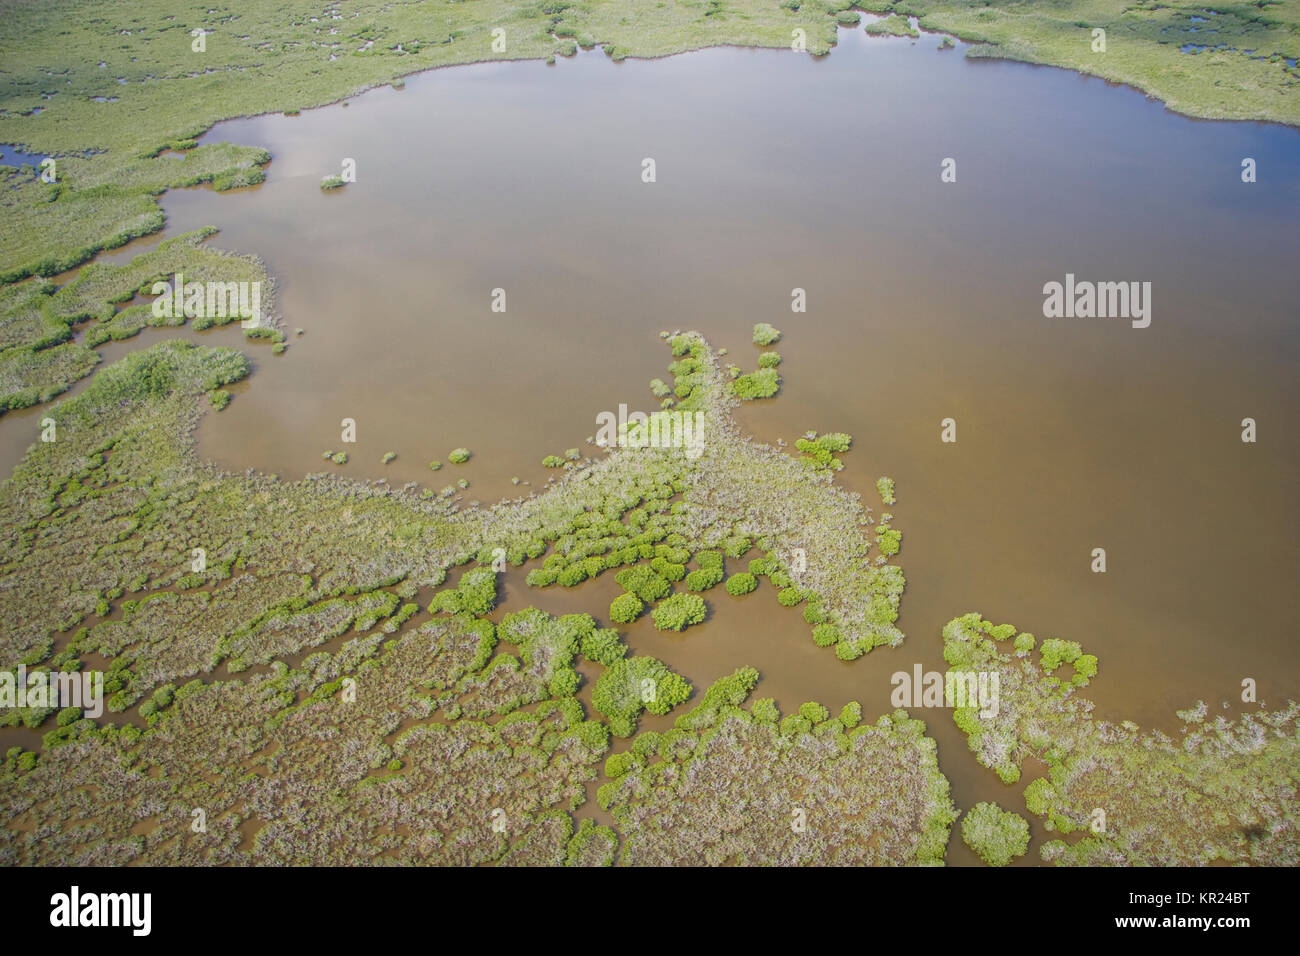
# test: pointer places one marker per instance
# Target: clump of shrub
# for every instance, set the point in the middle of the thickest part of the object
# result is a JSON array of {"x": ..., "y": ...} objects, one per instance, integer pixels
[
  {"x": 603, "y": 646},
  {"x": 819, "y": 450},
  {"x": 997, "y": 836},
  {"x": 851, "y": 715},
  {"x": 339, "y": 458},
  {"x": 476, "y": 593},
  {"x": 765, "y": 334},
  {"x": 625, "y": 608},
  {"x": 886, "y": 488},
  {"x": 552, "y": 461},
  {"x": 1056, "y": 652},
  {"x": 389, "y": 456},
  {"x": 435, "y": 465},
  {"x": 704, "y": 578},
  {"x": 824, "y": 635},
  {"x": 769, "y": 360},
  {"x": 631, "y": 685},
  {"x": 736, "y": 547},
  {"x": 331, "y": 182},
  {"x": 761, "y": 384},
  {"x": 678, "y": 612},
  {"x": 888, "y": 540},
  {"x": 219, "y": 398},
  {"x": 644, "y": 583},
  {"x": 741, "y": 583},
  {"x": 668, "y": 570},
  {"x": 458, "y": 456},
  {"x": 790, "y": 597}
]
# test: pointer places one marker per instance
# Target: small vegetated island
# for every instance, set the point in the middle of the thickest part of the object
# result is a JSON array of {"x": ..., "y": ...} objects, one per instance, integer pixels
[{"x": 332, "y": 682}]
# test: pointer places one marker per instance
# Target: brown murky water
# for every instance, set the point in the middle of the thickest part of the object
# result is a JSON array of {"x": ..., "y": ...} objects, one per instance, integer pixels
[{"x": 775, "y": 171}]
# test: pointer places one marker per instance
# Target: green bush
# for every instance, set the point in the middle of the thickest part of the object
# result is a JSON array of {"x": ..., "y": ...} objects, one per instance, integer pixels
[
  {"x": 668, "y": 570},
  {"x": 1039, "y": 797},
  {"x": 631, "y": 685},
  {"x": 851, "y": 715},
  {"x": 625, "y": 608},
  {"x": 886, "y": 488},
  {"x": 564, "y": 683},
  {"x": 765, "y": 334},
  {"x": 824, "y": 635},
  {"x": 741, "y": 583},
  {"x": 1057, "y": 652},
  {"x": 476, "y": 594},
  {"x": 616, "y": 765},
  {"x": 794, "y": 725},
  {"x": 769, "y": 360},
  {"x": 761, "y": 384},
  {"x": 737, "y": 547},
  {"x": 997, "y": 836},
  {"x": 1002, "y": 632},
  {"x": 851, "y": 650},
  {"x": 458, "y": 456},
  {"x": 552, "y": 461},
  {"x": 789, "y": 597},
  {"x": 644, "y": 583},
  {"x": 678, "y": 612},
  {"x": 813, "y": 712},
  {"x": 729, "y": 691},
  {"x": 603, "y": 646},
  {"x": 572, "y": 575},
  {"x": 765, "y": 709},
  {"x": 704, "y": 578},
  {"x": 709, "y": 559}
]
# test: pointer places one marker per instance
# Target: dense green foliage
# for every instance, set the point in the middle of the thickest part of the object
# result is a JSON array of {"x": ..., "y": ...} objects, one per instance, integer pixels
[
  {"x": 761, "y": 384},
  {"x": 819, "y": 450},
  {"x": 625, "y": 608},
  {"x": 678, "y": 612},
  {"x": 741, "y": 583},
  {"x": 634, "y": 684},
  {"x": 997, "y": 836}
]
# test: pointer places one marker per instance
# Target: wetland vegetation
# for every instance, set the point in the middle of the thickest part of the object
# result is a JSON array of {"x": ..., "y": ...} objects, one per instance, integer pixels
[
  {"x": 336, "y": 682},
  {"x": 308, "y": 587}
]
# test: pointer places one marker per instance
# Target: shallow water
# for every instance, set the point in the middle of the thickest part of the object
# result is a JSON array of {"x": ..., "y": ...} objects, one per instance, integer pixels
[
  {"x": 777, "y": 171},
  {"x": 13, "y": 156}
]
